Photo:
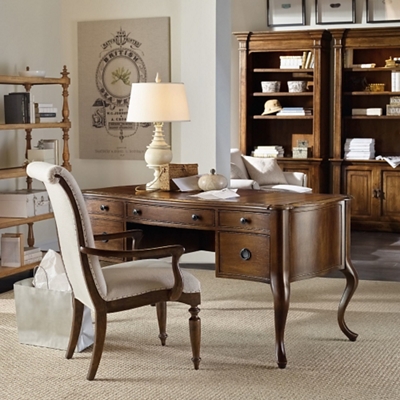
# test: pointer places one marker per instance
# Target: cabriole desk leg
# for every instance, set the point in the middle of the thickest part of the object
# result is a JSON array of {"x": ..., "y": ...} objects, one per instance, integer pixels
[{"x": 280, "y": 285}]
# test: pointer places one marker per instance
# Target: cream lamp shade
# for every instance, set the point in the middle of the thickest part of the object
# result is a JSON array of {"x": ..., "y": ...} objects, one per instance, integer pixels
[{"x": 157, "y": 102}]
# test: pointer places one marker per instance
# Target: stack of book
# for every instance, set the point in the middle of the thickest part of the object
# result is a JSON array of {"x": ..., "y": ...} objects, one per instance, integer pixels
[
  {"x": 272, "y": 151},
  {"x": 291, "y": 111},
  {"x": 47, "y": 112},
  {"x": 32, "y": 255},
  {"x": 359, "y": 149}
]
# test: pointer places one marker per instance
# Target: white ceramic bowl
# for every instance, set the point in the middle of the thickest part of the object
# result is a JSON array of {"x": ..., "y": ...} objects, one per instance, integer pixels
[
  {"x": 270, "y": 86},
  {"x": 37, "y": 74},
  {"x": 297, "y": 86}
]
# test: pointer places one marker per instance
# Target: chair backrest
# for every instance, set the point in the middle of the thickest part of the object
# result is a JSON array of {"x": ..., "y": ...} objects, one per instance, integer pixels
[
  {"x": 236, "y": 158},
  {"x": 73, "y": 229}
]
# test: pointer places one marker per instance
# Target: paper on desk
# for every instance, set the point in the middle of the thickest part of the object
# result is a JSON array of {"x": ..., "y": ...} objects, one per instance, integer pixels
[
  {"x": 217, "y": 194},
  {"x": 393, "y": 161},
  {"x": 188, "y": 183}
]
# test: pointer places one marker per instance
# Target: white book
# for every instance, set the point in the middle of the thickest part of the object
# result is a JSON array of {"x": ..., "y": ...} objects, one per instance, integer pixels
[{"x": 367, "y": 111}]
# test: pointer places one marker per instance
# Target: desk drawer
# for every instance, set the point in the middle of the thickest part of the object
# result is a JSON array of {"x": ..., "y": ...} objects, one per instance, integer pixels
[
  {"x": 100, "y": 226},
  {"x": 257, "y": 222},
  {"x": 105, "y": 207},
  {"x": 171, "y": 215},
  {"x": 243, "y": 256}
]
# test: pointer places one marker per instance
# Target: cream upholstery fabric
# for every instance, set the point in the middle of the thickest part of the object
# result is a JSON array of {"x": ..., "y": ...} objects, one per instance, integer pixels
[
  {"x": 111, "y": 281},
  {"x": 265, "y": 171}
]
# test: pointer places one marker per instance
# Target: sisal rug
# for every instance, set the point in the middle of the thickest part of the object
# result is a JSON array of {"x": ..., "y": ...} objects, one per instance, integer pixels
[{"x": 238, "y": 360}]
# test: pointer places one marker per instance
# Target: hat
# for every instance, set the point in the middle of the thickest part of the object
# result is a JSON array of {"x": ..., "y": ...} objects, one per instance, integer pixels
[{"x": 271, "y": 106}]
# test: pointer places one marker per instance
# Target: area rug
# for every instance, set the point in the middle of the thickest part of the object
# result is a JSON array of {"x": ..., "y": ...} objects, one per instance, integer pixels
[{"x": 238, "y": 356}]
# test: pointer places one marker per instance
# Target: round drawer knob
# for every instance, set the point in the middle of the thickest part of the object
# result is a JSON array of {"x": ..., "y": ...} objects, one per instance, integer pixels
[
  {"x": 104, "y": 207},
  {"x": 136, "y": 212},
  {"x": 245, "y": 254},
  {"x": 244, "y": 220},
  {"x": 105, "y": 240},
  {"x": 195, "y": 217}
]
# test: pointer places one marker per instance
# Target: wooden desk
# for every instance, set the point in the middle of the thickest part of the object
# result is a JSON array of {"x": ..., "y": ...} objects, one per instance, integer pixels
[{"x": 276, "y": 238}]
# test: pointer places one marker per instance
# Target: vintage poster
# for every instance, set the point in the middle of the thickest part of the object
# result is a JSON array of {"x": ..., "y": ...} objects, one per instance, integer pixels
[{"x": 111, "y": 56}]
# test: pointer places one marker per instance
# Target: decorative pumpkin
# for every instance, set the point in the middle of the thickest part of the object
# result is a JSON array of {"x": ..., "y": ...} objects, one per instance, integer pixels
[{"x": 212, "y": 181}]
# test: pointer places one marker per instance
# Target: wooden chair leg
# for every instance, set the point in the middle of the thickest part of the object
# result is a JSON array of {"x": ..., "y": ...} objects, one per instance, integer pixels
[
  {"x": 195, "y": 335},
  {"x": 162, "y": 321},
  {"x": 77, "y": 317},
  {"x": 99, "y": 338}
]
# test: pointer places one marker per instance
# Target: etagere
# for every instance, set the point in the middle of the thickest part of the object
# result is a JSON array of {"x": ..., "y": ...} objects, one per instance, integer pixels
[
  {"x": 20, "y": 171},
  {"x": 259, "y": 60},
  {"x": 363, "y": 57}
]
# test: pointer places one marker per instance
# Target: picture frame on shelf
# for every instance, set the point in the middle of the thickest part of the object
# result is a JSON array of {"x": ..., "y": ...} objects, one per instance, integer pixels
[
  {"x": 339, "y": 12},
  {"x": 383, "y": 11},
  {"x": 286, "y": 12}
]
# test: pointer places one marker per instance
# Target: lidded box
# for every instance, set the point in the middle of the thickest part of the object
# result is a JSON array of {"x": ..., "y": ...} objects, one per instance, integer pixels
[{"x": 24, "y": 203}]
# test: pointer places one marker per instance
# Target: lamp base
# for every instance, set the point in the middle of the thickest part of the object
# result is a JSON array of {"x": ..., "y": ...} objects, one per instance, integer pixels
[{"x": 158, "y": 154}]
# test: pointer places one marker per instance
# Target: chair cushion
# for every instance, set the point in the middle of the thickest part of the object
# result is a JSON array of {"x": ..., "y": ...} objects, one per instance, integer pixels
[
  {"x": 143, "y": 276},
  {"x": 236, "y": 158},
  {"x": 236, "y": 172},
  {"x": 265, "y": 171}
]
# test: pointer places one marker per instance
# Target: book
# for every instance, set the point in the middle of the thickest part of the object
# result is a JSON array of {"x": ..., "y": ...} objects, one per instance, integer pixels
[
  {"x": 31, "y": 250},
  {"x": 367, "y": 111},
  {"x": 16, "y": 108}
]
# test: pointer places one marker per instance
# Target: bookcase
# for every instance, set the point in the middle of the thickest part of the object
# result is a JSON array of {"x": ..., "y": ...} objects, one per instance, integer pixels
[
  {"x": 20, "y": 171},
  {"x": 260, "y": 55},
  {"x": 359, "y": 58}
]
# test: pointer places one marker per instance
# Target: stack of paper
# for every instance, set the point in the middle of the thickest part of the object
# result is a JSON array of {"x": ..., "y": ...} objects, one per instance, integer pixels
[
  {"x": 359, "y": 149},
  {"x": 291, "y": 111},
  {"x": 272, "y": 151}
]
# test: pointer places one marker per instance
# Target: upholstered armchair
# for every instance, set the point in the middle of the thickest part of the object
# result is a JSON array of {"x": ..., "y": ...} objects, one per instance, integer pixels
[
  {"x": 147, "y": 280},
  {"x": 265, "y": 174}
]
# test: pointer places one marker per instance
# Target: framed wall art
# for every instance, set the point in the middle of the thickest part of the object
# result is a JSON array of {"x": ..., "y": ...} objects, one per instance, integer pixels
[
  {"x": 383, "y": 11},
  {"x": 286, "y": 12},
  {"x": 335, "y": 12}
]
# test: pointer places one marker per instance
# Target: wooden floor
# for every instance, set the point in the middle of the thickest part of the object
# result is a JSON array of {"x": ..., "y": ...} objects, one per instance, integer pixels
[{"x": 375, "y": 255}]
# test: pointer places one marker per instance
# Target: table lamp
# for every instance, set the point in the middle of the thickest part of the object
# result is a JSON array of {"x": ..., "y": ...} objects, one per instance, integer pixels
[{"x": 157, "y": 102}]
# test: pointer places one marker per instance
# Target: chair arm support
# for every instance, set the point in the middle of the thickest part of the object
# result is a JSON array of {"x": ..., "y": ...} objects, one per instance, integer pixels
[
  {"x": 175, "y": 251},
  {"x": 136, "y": 234}
]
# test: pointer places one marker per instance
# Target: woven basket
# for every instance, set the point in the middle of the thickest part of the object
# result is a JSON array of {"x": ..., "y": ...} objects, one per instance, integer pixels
[{"x": 171, "y": 171}]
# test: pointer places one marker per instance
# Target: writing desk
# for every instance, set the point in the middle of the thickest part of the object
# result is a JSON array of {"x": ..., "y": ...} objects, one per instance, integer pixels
[{"x": 272, "y": 237}]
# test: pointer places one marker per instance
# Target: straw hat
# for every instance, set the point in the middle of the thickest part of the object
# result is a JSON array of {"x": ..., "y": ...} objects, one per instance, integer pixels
[{"x": 271, "y": 106}]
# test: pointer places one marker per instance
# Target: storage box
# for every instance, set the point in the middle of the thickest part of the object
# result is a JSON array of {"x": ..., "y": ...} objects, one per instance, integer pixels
[
  {"x": 46, "y": 155},
  {"x": 24, "y": 203},
  {"x": 300, "y": 152},
  {"x": 171, "y": 171},
  {"x": 393, "y": 109}
]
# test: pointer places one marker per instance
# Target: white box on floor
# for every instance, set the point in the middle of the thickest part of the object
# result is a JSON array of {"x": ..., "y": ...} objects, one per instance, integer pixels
[{"x": 24, "y": 203}]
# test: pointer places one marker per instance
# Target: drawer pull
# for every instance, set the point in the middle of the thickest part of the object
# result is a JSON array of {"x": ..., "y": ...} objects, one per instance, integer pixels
[
  {"x": 244, "y": 220},
  {"x": 195, "y": 217},
  {"x": 104, "y": 208},
  {"x": 105, "y": 240},
  {"x": 136, "y": 212},
  {"x": 245, "y": 254}
]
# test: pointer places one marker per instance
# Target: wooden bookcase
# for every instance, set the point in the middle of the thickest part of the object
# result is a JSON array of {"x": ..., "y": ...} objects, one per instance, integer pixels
[
  {"x": 374, "y": 185},
  {"x": 259, "y": 60},
  {"x": 20, "y": 171}
]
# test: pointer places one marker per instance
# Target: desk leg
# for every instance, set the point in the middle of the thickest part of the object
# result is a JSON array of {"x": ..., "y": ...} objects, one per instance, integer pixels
[
  {"x": 351, "y": 286},
  {"x": 280, "y": 287},
  {"x": 350, "y": 273}
]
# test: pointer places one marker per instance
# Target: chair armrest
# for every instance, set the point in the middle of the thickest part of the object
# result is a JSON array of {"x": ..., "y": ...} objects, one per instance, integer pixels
[
  {"x": 136, "y": 234},
  {"x": 296, "y": 178},
  {"x": 243, "y": 184},
  {"x": 175, "y": 251}
]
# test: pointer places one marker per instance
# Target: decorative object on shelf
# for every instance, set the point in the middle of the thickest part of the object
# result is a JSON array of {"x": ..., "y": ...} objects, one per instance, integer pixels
[
  {"x": 393, "y": 109},
  {"x": 24, "y": 203},
  {"x": 335, "y": 12},
  {"x": 286, "y": 12},
  {"x": 35, "y": 74},
  {"x": 271, "y": 107},
  {"x": 158, "y": 103},
  {"x": 270, "y": 86},
  {"x": 375, "y": 87},
  {"x": 297, "y": 86},
  {"x": 290, "y": 62},
  {"x": 212, "y": 181},
  {"x": 12, "y": 249},
  {"x": 390, "y": 63},
  {"x": 382, "y": 11},
  {"x": 395, "y": 81},
  {"x": 172, "y": 171}
]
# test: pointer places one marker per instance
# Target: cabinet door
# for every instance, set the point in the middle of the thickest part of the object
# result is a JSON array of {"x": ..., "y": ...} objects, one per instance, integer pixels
[
  {"x": 390, "y": 195},
  {"x": 359, "y": 184}
]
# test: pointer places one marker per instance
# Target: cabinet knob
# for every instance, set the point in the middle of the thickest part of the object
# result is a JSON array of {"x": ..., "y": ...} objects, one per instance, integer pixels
[
  {"x": 245, "y": 254},
  {"x": 136, "y": 212},
  {"x": 244, "y": 220},
  {"x": 195, "y": 217},
  {"x": 105, "y": 240},
  {"x": 103, "y": 207}
]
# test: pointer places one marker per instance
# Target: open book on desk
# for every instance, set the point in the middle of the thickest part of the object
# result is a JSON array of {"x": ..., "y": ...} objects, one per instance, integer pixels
[{"x": 393, "y": 161}]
